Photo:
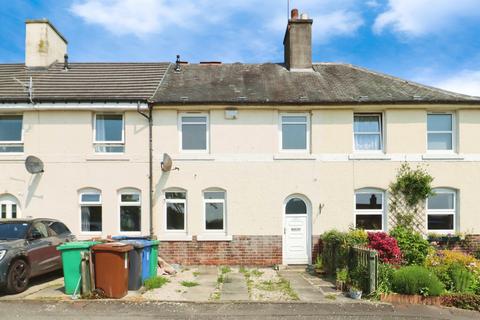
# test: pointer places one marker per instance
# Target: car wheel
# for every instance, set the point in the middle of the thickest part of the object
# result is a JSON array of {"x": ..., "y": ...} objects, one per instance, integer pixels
[{"x": 18, "y": 276}]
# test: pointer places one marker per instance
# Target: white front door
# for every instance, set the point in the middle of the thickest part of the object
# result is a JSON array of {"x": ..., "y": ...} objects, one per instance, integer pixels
[
  {"x": 296, "y": 248},
  {"x": 296, "y": 244},
  {"x": 8, "y": 208}
]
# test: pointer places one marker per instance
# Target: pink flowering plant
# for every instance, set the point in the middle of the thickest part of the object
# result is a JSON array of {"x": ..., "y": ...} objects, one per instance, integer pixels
[{"x": 386, "y": 246}]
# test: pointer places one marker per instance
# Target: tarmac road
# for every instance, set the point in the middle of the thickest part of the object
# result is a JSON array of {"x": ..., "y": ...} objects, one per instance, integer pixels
[{"x": 109, "y": 310}]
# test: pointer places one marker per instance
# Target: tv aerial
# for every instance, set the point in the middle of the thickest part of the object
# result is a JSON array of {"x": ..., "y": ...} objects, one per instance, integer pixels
[{"x": 34, "y": 165}]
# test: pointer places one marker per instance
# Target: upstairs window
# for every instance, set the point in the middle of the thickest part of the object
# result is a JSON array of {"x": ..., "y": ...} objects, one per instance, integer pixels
[
  {"x": 11, "y": 133},
  {"x": 214, "y": 203},
  {"x": 109, "y": 133},
  {"x": 369, "y": 209},
  {"x": 367, "y": 132},
  {"x": 176, "y": 211},
  {"x": 440, "y": 132},
  {"x": 441, "y": 211},
  {"x": 194, "y": 132},
  {"x": 91, "y": 211},
  {"x": 294, "y": 132},
  {"x": 130, "y": 212}
]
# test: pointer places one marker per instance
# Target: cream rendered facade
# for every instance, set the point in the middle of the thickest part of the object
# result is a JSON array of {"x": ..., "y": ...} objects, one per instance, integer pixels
[{"x": 244, "y": 160}]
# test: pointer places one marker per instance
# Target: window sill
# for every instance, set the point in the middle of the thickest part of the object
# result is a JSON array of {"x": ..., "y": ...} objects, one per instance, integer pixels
[
  {"x": 107, "y": 157},
  {"x": 193, "y": 157},
  {"x": 214, "y": 237},
  {"x": 442, "y": 156},
  {"x": 12, "y": 156},
  {"x": 369, "y": 156},
  {"x": 173, "y": 237},
  {"x": 293, "y": 156}
]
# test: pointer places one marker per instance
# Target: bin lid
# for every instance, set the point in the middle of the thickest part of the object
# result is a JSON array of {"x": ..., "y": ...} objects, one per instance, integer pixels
[
  {"x": 77, "y": 245},
  {"x": 138, "y": 244},
  {"x": 112, "y": 247},
  {"x": 130, "y": 237}
]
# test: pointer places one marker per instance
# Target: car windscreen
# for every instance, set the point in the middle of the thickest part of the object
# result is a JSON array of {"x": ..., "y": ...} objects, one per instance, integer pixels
[{"x": 12, "y": 231}]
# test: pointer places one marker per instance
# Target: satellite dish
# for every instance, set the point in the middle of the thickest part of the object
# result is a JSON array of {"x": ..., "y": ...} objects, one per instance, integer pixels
[
  {"x": 166, "y": 163},
  {"x": 33, "y": 165}
]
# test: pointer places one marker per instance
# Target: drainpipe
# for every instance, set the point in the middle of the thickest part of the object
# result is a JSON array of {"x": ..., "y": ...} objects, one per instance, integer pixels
[{"x": 149, "y": 117}]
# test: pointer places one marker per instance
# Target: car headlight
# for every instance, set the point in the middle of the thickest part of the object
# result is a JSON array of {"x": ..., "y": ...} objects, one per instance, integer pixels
[{"x": 2, "y": 254}]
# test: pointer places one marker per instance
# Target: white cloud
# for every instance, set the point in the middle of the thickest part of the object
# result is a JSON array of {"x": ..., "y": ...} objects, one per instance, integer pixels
[
  {"x": 466, "y": 82},
  {"x": 420, "y": 17}
]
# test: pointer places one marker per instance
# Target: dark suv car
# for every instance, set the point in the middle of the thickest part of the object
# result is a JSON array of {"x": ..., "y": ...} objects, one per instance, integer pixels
[{"x": 28, "y": 248}]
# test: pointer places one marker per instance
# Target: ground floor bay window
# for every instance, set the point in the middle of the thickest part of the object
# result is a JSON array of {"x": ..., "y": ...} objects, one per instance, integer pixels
[
  {"x": 369, "y": 209},
  {"x": 441, "y": 211}
]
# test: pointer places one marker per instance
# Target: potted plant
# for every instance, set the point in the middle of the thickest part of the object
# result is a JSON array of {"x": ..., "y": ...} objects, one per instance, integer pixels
[
  {"x": 355, "y": 292},
  {"x": 318, "y": 265},
  {"x": 341, "y": 280}
]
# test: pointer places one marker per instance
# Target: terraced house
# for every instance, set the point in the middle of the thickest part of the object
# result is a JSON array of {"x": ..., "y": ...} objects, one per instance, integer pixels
[{"x": 266, "y": 157}]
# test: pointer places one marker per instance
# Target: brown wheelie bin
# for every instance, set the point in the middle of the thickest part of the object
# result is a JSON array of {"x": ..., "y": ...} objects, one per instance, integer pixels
[{"x": 111, "y": 268}]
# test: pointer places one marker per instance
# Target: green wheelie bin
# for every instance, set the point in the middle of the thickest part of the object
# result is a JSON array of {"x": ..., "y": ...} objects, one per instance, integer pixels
[
  {"x": 154, "y": 259},
  {"x": 72, "y": 260}
]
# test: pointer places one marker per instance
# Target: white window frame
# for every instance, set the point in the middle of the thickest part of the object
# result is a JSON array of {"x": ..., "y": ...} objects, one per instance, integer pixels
[
  {"x": 453, "y": 132},
  {"x": 443, "y": 211},
  {"x": 8, "y": 201},
  {"x": 129, "y": 204},
  {"x": 90, "y": 204},
  {"x": 359, "y": 212},
  {"x": 19, "y": 143},
  {"x": 167, "y": 201},
  {"x": 280, "y": 131},
  {"x": 108, "y": 143},
  {"x": 207, "y": 132},
  {"x": 381, "y": 132},
  {"x": 223, "y": 231}
]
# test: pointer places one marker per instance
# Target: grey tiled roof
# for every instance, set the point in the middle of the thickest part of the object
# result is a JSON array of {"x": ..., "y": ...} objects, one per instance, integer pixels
[
  {"x": 82, "y": 82},
  {"x": 328, "y": 83}
]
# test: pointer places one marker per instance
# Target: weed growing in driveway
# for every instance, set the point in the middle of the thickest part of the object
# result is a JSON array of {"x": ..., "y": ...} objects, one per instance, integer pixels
[
  {"x": 225, "y": 269},
  {"x": 189, "y": 284},
  {"x": 220, "y": 279},
  {"x": 281, "y": 285},
  {"x": 331, "y": 296},
  {"x": 256, "y": 273},
  {"x": 195, "y": 273},
  {"x": 154, "y": 283}
]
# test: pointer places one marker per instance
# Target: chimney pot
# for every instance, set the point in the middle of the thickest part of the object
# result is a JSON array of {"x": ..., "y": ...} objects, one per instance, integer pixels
[{"x": 294, "y": 14}]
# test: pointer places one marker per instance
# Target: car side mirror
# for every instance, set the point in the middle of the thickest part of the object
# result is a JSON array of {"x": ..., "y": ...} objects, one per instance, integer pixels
[{"x": 35, "y": 235}]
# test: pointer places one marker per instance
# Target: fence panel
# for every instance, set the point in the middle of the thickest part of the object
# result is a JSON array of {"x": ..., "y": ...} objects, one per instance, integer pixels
[{"x": 366, "y": 258}]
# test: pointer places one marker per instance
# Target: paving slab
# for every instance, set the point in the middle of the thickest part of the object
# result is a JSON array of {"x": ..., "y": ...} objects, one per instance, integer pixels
[
  {"x": 234, "y": 288},
  {"x": 207, "y": 282},
  {"x": 305, "y": 291}
]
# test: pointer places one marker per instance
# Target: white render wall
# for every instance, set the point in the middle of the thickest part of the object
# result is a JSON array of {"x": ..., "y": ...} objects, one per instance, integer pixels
[{"x": 244, "y": 160}]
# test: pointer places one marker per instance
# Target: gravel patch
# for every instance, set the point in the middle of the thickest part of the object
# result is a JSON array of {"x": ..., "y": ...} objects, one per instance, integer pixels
[
  {"x": 265, "y": 284},
  {"x": 174, "y": 290}
]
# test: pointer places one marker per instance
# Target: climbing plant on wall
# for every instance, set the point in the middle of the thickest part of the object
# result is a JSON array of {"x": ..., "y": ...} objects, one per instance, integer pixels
[{"x": 407, "y": 197}]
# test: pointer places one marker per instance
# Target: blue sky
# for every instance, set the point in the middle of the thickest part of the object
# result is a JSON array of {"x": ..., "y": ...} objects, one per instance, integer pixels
[{"x": 435, "y": 42}]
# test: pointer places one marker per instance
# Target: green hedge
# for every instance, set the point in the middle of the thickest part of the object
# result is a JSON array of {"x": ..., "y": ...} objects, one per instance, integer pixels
[{"x": 416, "y": 280}]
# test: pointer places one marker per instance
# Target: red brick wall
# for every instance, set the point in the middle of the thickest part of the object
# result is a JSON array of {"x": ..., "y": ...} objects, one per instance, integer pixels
[
  {"x": 471, "y": 244},
  {"x": 242, "y": 250}
]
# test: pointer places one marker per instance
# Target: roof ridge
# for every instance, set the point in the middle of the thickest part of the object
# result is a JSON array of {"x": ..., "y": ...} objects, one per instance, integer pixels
[
  {"x": 414, "y": 83},
  {"x": 150, "y": 99}
]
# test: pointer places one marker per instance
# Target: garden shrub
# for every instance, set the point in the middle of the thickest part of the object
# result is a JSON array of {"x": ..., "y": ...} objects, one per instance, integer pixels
[
  {"x": 385, "y": 276},
  {"x": 358, "y": 277},
  {"x": 387, "y": 247},
  {"x": 462, "y": 279},
  {"x": 443, "y": 263},
  {"x": 335, "y": 250},
  {"x": 413, "y": 246},
  {"x": 416, "y": 280},
  {"x": 466, "y": 301},
  {"x": 356, "y": 237}
]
